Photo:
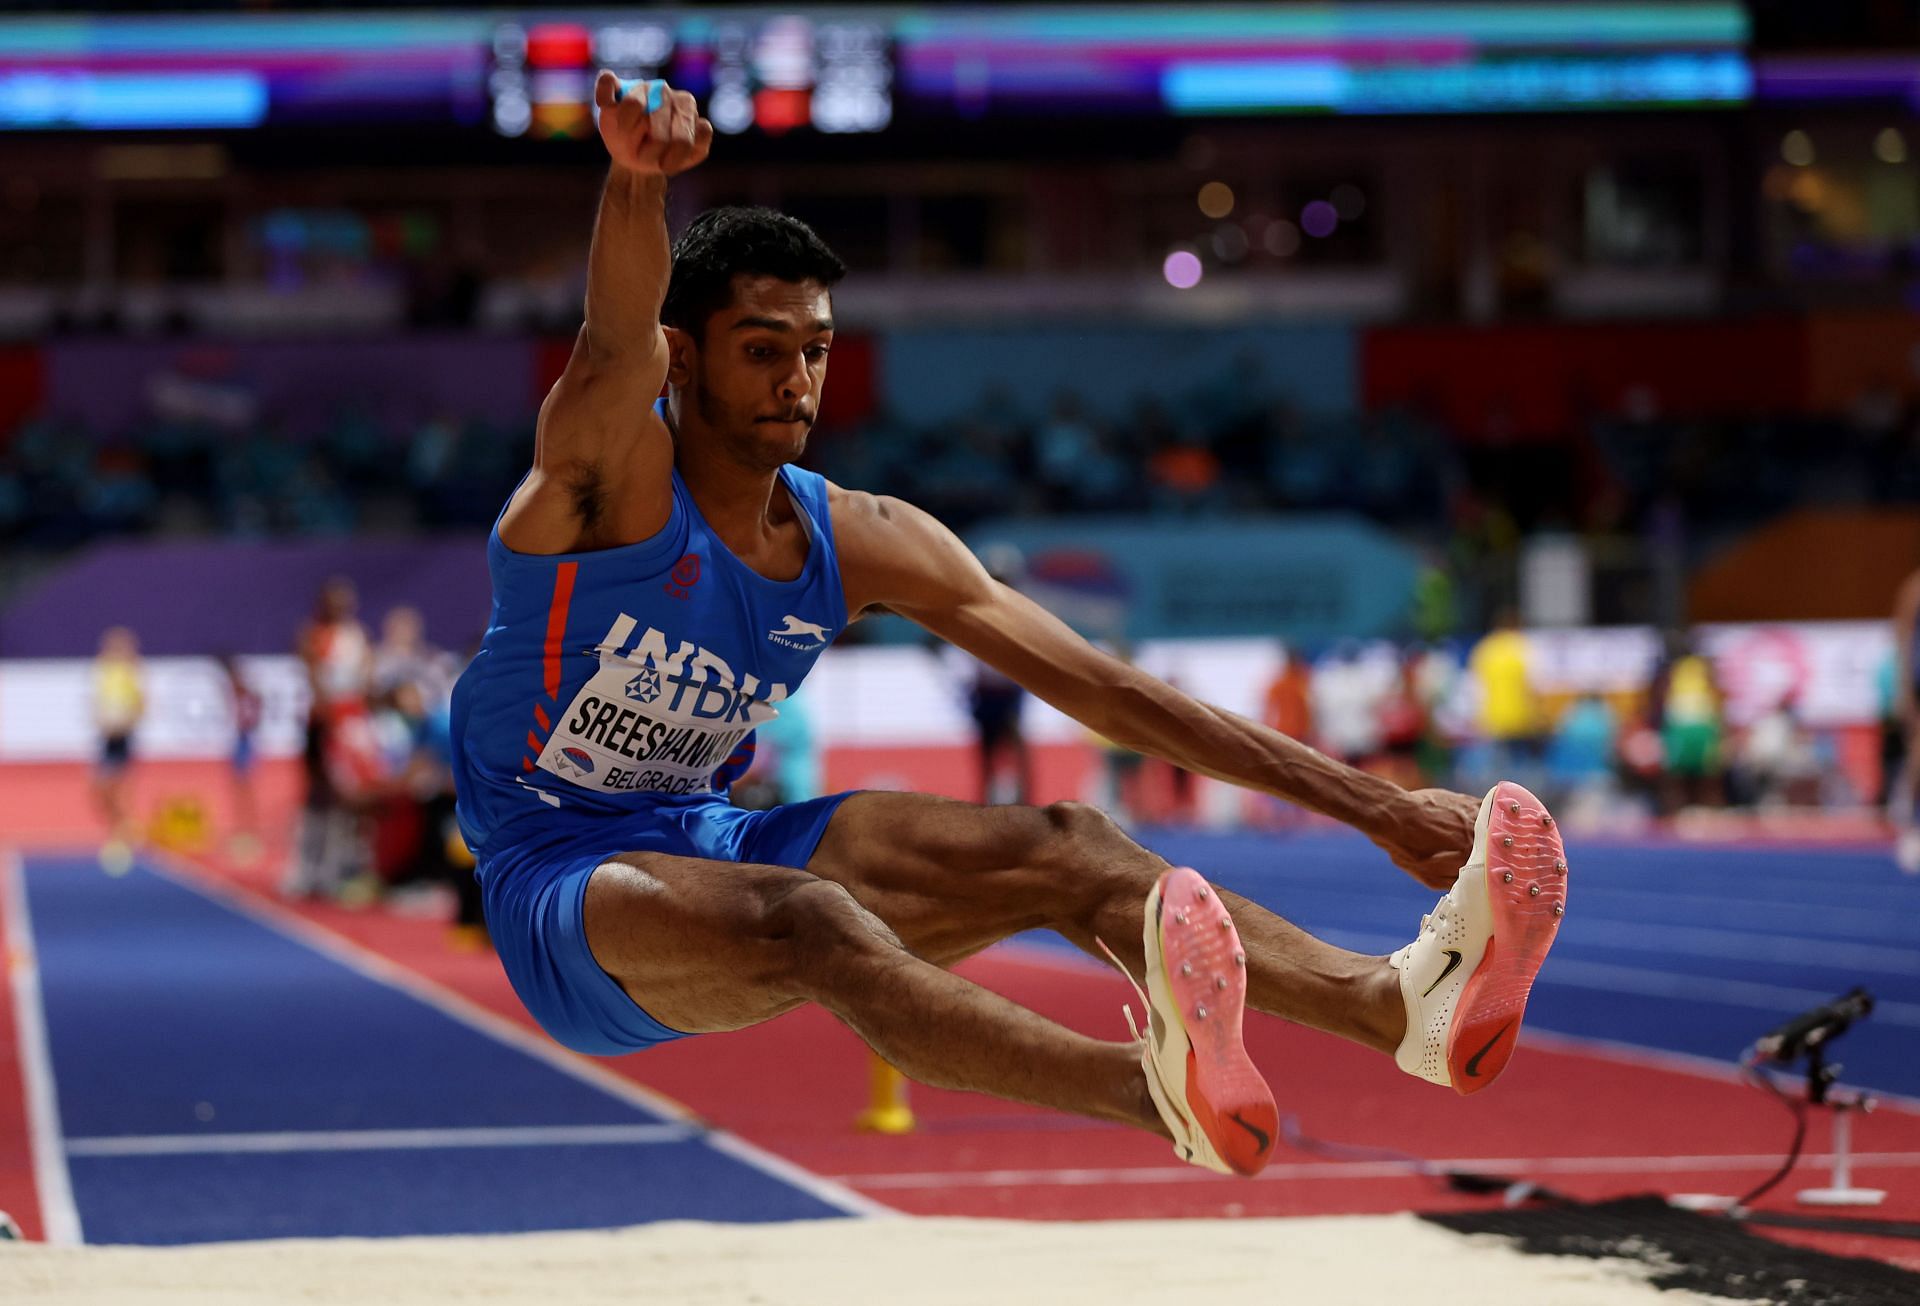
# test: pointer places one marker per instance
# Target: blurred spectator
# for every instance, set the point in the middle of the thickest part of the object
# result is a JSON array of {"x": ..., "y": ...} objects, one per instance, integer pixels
[
  {"x": 1904, "y": 791},
  {"x": 995, "y": 703},
  {"x": 404, "y": 657},
  {"x": 1403, "y": 725},
  {"x": 1347, "y": 693},
  {"x": 341, "y": 758},
  {"x": 1117, "y": 782},
  {"x": 244, "y": 703},
  {"x": 1776, "y": 763},
  {"x": 1502, "y": 669},
  {"x": 1185, "y": 475},
  {"x": 119, "y": 702},
  {"x": 1289, "y": 698},
  {"x": 789, "y": 753},
  {"x": 1580, "y": 753},
  {"x": 1690, "y": 735}
]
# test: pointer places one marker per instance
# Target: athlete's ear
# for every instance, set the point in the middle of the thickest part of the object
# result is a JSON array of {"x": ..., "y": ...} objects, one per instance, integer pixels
[{"x": 680, "y": 349}]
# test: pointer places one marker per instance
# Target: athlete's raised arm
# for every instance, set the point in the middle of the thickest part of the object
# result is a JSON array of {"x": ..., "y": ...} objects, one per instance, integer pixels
[
  {"x": 894, "y": 556},
  {"x": 601, "y": 459}
]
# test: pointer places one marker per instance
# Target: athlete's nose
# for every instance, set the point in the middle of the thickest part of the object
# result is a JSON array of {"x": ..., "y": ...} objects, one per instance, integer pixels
[{"x": 796, "y": 384}]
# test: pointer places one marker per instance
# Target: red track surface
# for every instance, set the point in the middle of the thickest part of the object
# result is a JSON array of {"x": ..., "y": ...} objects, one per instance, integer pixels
[
  {"x": 18, "y": 1195},
  {"x": 1578, "y": 1120}
]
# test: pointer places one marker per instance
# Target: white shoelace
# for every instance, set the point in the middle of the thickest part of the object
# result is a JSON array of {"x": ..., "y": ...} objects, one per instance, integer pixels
[{"x": 1126, "y": 1008}]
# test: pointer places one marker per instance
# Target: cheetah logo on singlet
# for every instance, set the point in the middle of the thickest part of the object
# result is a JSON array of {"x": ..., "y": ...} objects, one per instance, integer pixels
[
  {"x": 658, "y": 718},
  {"x": 795, "y": 633}
]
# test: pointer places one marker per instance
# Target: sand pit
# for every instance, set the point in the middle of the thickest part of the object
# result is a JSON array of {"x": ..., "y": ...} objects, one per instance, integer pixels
[{"x": 1335, "y": 1261}]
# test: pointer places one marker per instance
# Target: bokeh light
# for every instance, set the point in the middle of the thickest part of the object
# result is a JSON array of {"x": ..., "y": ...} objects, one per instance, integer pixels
[
  {"x": 1182, "y": 269},
  {"x": 1281, "y": 238},
  {"x": 1796, "y": 147},
  {"x": 1319, "y": 219},
  {"x": 1216, "y": 199},
  {"x": 1229, "y": 242},
  {"x": 1889, "y": 146}
]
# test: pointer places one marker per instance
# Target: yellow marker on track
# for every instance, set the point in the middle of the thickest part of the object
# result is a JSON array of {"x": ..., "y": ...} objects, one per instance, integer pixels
[{"x": 887, "y": 1109}]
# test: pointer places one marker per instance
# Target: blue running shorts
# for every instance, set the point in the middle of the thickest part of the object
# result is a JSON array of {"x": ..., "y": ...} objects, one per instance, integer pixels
[{"x": 536, "y": 892}]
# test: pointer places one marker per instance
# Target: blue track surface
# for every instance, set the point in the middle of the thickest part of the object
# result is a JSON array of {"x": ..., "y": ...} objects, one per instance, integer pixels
[
  {"x": 171, "y": 1017},
  {"x": 1685, "y": 949}
]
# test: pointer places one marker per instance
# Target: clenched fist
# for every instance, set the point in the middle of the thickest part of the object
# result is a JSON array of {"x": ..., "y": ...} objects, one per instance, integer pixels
[
  {"x": 1430, "y": 835},
  {"x": 650, "y": 128}
]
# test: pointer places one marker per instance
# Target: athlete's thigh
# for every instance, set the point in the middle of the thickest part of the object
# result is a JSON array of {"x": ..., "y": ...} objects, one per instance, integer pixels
[
  {"x": 701, "y": 945},
  {"x": 950, "y": 878}
]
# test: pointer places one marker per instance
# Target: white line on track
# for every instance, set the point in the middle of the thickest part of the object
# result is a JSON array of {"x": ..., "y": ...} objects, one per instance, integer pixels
[
  {"x": 1344, "y": 1170},
  {"x": 1747, "y": 945},
  {"x": 58, "y": 1214},
  {"x": 365, "y": 962},
  {"x": 377, "y": 1140},
  {"x": 1570, "y": 972}
]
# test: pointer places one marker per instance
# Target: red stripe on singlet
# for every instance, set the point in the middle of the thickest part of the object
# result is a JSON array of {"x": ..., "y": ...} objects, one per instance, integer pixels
[
  {"x": 557, "y": 623},
  {"x": 540, "y": 715}
]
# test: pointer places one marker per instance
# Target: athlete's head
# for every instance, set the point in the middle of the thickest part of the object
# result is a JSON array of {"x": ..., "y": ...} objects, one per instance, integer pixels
[{"x": 749, "y": 318}]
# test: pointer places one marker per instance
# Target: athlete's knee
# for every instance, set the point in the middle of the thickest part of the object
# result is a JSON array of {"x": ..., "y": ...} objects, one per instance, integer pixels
[
  {"x": 822, "y": 936},
  {"x": 1093, "y": 861},
  {"x": 1075, "y": 827}
]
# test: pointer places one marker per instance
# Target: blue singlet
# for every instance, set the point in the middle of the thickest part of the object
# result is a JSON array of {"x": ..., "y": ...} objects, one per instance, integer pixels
[{"x": 611, "y": 703}]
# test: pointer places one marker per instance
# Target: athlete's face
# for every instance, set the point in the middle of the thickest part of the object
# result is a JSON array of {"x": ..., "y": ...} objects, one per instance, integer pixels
[{"x": 755, "y": 374}]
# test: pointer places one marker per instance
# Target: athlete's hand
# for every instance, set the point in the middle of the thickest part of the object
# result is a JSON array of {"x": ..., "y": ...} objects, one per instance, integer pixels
[
  {"x": 1430, "y": 835},
  {"x": 664, "y": 141}
]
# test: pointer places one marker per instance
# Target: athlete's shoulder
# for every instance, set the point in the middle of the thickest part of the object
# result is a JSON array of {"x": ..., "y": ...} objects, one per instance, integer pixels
[
  {"x": 875, "y": 518},
  {"x": 898, "y": 556}
]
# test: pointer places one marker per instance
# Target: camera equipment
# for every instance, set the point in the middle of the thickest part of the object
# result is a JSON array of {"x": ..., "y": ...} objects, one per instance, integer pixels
[{"x": 1807, "y": 1035}]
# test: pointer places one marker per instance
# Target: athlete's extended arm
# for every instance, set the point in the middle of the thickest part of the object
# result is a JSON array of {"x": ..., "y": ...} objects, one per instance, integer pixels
[
  {"x": 895, "y": 556},
  {"x": 601, "y": 458}
]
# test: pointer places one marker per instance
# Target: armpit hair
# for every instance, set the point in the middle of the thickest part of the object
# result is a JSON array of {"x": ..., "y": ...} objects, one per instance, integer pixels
[{"x": 587, "y": 492}]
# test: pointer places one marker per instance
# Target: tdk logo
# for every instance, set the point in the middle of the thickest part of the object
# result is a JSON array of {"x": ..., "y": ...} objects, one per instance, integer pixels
[{"x": 795, "y": 633}]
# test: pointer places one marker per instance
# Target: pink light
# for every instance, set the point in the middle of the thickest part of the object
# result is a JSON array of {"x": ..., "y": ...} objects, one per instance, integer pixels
[{"x": 1181, "y": 269}]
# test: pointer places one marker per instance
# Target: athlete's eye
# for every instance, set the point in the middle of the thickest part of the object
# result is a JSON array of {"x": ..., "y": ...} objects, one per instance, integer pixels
[
  {"x": 816, "y": 353},
  {"x": 759, "y": 353}
]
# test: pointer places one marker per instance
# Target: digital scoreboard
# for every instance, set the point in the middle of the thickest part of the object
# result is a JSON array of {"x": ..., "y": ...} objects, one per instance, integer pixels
[
  {"x": 866, "y": 70},
  {"x": 773, "y": 72}
]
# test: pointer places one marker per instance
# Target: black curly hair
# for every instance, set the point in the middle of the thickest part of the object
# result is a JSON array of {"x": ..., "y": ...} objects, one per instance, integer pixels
[{"x": 724, "y": 243}]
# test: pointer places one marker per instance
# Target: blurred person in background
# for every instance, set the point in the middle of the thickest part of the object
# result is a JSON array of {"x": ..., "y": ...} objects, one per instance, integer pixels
[
  {"x": 244, "y": 704},
  {"x": 1116, "y": 780},
  {"x": 789, "y": 755},
  {"x": 404, "y": 657},
  {"x": 1287, "y": 706},
  {"x": 1581, "y": 757},
  {"x": 1502, "y": 668},
  {"x": 665, "y": 576},
  {"x": 119, "y": 703},
  {"x": 1903, "y": 791},
  {"x": 995, "y": 701},
  {"x": 1691, "y": 730},
  {"x": 1776, "y": 762},
  {"x": 1404, "y": 725},
  {"x": 1347, "y": 693},
  {"x": 339, "y": 757}
]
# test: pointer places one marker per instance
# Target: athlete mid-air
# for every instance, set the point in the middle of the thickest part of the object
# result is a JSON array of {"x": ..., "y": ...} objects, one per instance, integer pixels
[{"x": 665, "y": 577}]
